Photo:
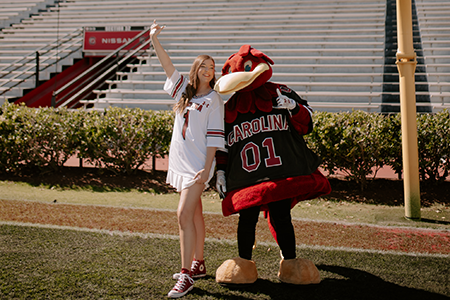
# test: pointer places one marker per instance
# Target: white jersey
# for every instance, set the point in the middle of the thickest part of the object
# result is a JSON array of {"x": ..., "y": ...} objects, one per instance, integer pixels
[{"x": 201, "y": 125}]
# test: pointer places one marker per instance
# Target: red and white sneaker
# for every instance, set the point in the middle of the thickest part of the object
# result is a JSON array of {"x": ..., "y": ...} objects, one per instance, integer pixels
[
  {"x": 184, "y": 284},
  {"x": 198, "y": 270}
]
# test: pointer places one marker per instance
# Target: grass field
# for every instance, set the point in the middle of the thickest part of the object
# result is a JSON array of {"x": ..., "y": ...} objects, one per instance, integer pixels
[
  {"x": 48, "y": 259},
  {"x": 47, "y": 263}
]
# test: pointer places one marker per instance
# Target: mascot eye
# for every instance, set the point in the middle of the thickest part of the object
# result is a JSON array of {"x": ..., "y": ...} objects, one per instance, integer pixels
[{"x": 248, "y": 66}]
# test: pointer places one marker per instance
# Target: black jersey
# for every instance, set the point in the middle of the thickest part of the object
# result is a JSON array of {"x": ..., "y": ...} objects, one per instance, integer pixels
[{"x": 265, "y": 146}]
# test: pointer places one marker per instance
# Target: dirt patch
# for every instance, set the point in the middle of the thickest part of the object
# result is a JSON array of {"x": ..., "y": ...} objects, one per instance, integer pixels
[
  {"x": 378, "y": 191},
  {"x": 219, "y": 227}
]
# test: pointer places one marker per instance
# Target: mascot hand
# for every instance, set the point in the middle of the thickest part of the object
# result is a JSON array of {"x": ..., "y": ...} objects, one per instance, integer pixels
[
  {"x": 221, "y": 184},
  {"x": 284, "y": 102}
]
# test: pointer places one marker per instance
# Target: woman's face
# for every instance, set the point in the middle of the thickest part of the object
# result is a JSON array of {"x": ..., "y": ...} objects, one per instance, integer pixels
[{"x": 206, "y": 71}]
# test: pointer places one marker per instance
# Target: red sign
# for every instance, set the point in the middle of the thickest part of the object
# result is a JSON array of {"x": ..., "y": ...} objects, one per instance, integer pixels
[{"x": 101, "y": 43}]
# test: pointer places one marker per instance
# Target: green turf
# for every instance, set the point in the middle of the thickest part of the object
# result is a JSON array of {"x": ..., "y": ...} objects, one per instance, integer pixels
[
  {"x": 45, "y": 263},
  {"x": 437, "y": 216}
]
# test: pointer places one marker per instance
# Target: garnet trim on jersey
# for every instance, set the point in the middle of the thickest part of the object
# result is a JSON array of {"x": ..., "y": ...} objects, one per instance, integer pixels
[
  {"x": 185, "y": 125},
  {"x": 215, "y": 133},
  {"x": 177, "y": 87}
]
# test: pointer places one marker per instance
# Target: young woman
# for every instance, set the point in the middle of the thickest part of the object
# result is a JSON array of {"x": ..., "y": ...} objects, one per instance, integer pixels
[{"x": 198, "y": 131}]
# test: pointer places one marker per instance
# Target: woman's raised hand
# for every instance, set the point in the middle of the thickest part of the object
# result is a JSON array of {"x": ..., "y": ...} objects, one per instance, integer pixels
[{"x": 155, "y": 29}]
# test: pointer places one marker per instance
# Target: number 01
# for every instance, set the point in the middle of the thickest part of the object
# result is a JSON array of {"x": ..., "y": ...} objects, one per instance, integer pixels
[{"x": 252, "y": 150}]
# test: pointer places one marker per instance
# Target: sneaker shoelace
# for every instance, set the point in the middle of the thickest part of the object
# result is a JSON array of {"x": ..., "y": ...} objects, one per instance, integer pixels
[
  {"x": 180, "y": 285},
  {"x": 195, "y": 265}
]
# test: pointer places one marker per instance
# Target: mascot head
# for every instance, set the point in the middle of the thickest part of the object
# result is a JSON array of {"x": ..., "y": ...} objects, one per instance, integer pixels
[{"x": 244, "y": 71}]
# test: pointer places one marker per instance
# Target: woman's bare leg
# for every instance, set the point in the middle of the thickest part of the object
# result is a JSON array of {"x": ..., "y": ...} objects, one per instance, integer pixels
[
  {"x": 189, "y": 201},
  {"x": 199, "y": 223}
]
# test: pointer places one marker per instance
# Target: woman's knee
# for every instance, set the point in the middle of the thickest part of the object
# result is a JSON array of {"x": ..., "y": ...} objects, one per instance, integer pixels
[
  {"x": 184, "y": 218},
  {"x": 190, "y": 204}
]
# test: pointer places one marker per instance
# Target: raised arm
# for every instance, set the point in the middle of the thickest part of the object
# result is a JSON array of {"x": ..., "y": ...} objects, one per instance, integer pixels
[{"x": 163, "y": 57}]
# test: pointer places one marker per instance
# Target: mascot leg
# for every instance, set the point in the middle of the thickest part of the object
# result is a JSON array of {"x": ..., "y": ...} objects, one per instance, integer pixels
[
  {"x": 248, "y": 218},
  {"x": 241, "y": 270},
  {"x": 282, "y": 229},
  {"x": 292, "y": 270}
]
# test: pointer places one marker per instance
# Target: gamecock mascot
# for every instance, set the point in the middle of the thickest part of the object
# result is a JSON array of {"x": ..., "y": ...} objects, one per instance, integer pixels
[{"x": 267, "y": 165}]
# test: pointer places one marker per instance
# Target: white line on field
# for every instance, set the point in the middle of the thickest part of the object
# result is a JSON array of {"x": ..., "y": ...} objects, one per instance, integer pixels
[
  {"x": 345, "y": 223},
  {"x": 215, "y": 240}
]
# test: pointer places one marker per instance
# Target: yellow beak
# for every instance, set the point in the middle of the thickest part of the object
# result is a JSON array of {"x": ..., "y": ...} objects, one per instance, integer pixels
[{"x": 233, "y": 82}]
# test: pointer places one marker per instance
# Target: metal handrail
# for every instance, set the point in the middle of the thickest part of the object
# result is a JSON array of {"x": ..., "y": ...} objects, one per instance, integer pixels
[
  {"x": 23, "y": 62},
  {"x": 92, "y": 78}
]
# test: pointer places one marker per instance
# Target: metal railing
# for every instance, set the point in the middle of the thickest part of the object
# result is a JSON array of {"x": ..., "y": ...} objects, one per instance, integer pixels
[
  {"x": 41, "y": 59},
  {"x": 94, "y": 77}
]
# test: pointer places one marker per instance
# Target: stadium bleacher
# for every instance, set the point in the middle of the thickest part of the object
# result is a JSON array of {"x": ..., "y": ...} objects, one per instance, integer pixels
[
  {"x": 434, "y": 20},
  {"x": 13, "y": 11},
  {"x": 332, "y": 53}
]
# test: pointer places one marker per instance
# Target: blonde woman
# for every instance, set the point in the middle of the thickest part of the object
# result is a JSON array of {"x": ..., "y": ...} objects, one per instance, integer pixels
[{"x": 198, "y": 131}]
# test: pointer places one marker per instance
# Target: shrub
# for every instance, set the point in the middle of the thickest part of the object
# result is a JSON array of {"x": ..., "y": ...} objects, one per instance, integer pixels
[
  {"x": 354, "y": 143},
  {"x": 434, "y": 145},
  {"x": 38, "y": 138},
  {"x": 119, "y": 139},
  {"x": 392, "y": 153},
  {"x": 122, "y": 140},
  {"x": 11, "y": 144},
  {"x": 52, "y": 137}
]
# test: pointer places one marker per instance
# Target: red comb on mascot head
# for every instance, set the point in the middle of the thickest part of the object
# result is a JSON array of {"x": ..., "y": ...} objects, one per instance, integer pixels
[{"x": 266, "y": 165}]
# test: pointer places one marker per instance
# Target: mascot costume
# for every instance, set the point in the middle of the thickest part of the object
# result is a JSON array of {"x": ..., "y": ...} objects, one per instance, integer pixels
[{"x": 266, "y": 165}]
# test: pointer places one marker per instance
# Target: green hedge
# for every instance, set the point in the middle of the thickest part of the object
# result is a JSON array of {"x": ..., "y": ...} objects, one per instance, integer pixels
[
  {"x": 434, "y": 145},
  {"x": 357, "y": 143},
  {"x": 121, "y": 140}
]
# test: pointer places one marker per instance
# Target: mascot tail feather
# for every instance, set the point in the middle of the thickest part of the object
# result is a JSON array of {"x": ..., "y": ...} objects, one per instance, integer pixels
[{"x": 298, "y": 189}]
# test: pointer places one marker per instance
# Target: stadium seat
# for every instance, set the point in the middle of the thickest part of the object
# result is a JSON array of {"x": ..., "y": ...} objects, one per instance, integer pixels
[{"x": 332, "y": 53}]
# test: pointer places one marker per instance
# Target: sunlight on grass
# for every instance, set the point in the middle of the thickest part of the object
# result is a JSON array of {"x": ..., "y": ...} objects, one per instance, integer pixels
[
  {"x": 133, "y": 198},
  {"x": 322, "y": 209}
]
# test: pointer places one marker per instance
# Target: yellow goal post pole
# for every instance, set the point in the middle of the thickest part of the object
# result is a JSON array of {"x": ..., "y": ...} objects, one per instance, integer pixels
[{"x": 406, "y": 64}]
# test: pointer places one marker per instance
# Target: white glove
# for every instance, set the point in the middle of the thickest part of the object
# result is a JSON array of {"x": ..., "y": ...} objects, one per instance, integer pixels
[
  {"x": 284, "y": 102},
  {"x": 221, "y": 183}
]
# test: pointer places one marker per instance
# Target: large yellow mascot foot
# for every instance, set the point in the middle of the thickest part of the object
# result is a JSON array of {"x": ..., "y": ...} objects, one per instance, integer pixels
[
  {"x": 236, "y": 272},
  {"x": 298, "y": 271}
]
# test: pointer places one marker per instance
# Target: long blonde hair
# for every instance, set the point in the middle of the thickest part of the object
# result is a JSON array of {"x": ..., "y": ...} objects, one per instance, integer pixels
[{"x": 191, "y": 88}]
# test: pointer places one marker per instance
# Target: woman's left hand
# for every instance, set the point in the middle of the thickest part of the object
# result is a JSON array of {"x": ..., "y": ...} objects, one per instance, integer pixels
[{"x": 201, "y": 176}]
